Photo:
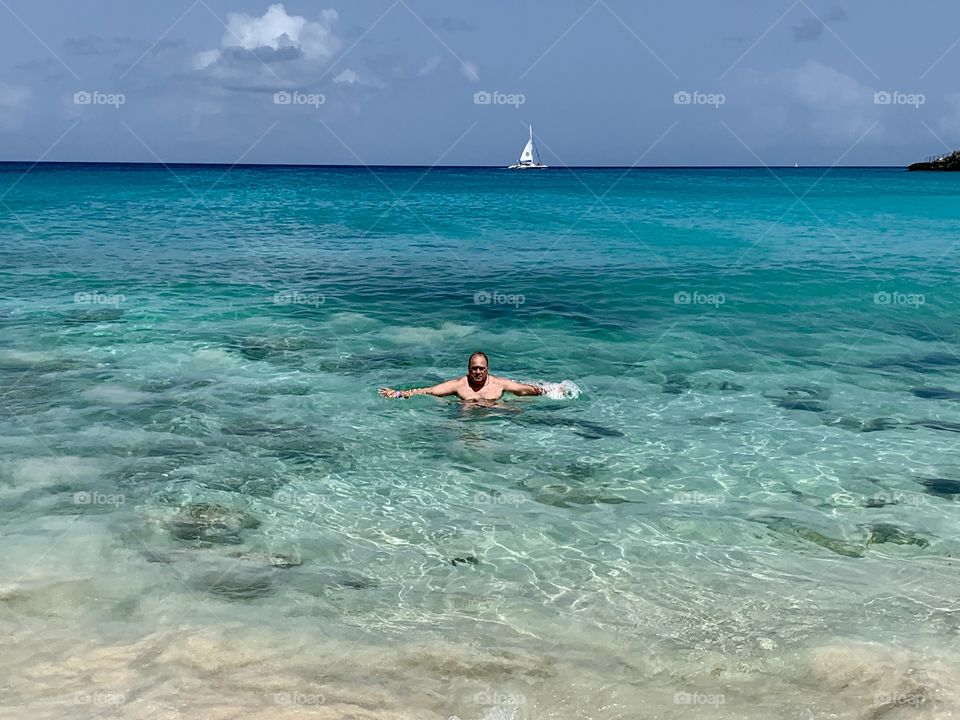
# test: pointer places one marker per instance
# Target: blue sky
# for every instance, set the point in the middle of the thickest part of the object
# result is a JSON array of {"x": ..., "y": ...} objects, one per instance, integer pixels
[{"x": 611, "y": 82}]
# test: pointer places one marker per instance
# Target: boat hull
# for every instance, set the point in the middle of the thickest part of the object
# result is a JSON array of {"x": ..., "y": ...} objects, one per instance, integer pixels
[{"x": 533, "y": 166}]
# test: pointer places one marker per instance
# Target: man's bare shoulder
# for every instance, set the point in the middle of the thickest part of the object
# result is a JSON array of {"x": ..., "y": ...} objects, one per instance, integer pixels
[{"x": 460, "y": 383}]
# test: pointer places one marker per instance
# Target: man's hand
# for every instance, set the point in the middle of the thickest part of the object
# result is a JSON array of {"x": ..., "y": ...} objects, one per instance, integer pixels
[
  {"x": 521, "y": 388},
  {"x": 391, "y": 393}
]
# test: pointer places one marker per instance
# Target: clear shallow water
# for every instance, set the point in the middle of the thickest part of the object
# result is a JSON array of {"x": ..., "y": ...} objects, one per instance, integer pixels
[{"x": 207, "y": 508}]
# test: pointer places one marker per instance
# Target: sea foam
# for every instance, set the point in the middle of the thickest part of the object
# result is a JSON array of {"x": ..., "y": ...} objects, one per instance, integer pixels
[{"x": 563, "y": 390}]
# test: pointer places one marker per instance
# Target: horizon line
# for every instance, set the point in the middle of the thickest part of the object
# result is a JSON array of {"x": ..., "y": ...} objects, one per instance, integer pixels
[{"x": 38, "y": 163}]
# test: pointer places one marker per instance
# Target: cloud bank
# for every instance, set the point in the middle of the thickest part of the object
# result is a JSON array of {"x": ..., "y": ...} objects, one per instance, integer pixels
[{"x": 275, "y": 35}]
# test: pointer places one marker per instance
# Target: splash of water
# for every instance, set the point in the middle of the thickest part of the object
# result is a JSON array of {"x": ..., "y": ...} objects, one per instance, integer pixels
[{"x": 564, "y": 390}]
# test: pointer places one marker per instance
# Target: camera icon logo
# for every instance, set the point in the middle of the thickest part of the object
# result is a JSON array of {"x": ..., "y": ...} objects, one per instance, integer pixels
[
  {"x": 281, "y": 98},
  {"x": 682, "y": 98},
  {"x": 482, "y": 98}
]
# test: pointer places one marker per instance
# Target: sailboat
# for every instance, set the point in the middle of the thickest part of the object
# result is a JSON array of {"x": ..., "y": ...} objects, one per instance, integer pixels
[{"x": 529, "y": 158}]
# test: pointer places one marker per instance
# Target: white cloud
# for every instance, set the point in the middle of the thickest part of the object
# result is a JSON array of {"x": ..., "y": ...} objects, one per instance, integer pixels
[
  {"x": 429, "y": 66},
  {"x": 348, "y": 77},
  {"x": 810, "y": 102},
  {"x": 205, "y": 59},
  {"x": 822, "y": 87},
  {"x": 837, "y": 106},
  {"x": 276, "y": 30}
]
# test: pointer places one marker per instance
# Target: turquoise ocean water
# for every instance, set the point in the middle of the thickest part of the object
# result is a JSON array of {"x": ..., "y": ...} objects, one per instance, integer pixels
[{"x": 750, "y": 511}]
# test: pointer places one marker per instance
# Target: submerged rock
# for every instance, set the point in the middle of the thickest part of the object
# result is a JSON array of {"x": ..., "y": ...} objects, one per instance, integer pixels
[
  {"x": 236, "y": 583},
  {"x": 583, "y": 428},
  {"x": 255, "y": 352},
  {"x": 816, "y": 392},
  {"x": 471, "y": 559},
  {"x": 944, "y": 425},
  {"x": 677, "y": 385},
  {"x": 931, "y": 362},
  {"x": 356, "y": 581},
  {"x": 807, "y": 398},
  {"x": 273, "y": 560},
  {"x": 814, "y": 406},
  {"x": 941, "y": 487},
  {"x": 786, "y": 526},
  {"x": 209, "y": 523},
  {"x": 265, "y": 348},
  {"x": 711, "y": 421},
  {"x": 863, "y": 426},
  {"x": 935, "y": 393},
  {"x": 887, "y": 533},
  {"x": 566, "y": 496},
  {"x": 879, "y": 424},
  {"x": 592, "y": 430}
]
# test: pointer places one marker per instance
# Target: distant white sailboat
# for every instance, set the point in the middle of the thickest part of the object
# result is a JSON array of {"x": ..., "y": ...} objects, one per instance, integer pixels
[{"x": 529, "y": 158}]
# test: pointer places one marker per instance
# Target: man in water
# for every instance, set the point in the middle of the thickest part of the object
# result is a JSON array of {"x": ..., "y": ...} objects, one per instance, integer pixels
[{"x": 476, "y": 386}]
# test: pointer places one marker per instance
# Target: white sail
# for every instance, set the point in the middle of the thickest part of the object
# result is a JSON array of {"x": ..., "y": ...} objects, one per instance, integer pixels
[{"x": 527, "y": 155}]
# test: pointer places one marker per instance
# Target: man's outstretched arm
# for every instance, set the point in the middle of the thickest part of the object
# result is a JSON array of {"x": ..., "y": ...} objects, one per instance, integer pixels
[
  {"x": 521, "y": 388},
  {"x": 442, "y": 390}
]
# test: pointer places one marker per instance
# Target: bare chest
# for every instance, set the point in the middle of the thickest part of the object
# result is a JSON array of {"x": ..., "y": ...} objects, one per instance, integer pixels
[{"x": 490, "y": 391}]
